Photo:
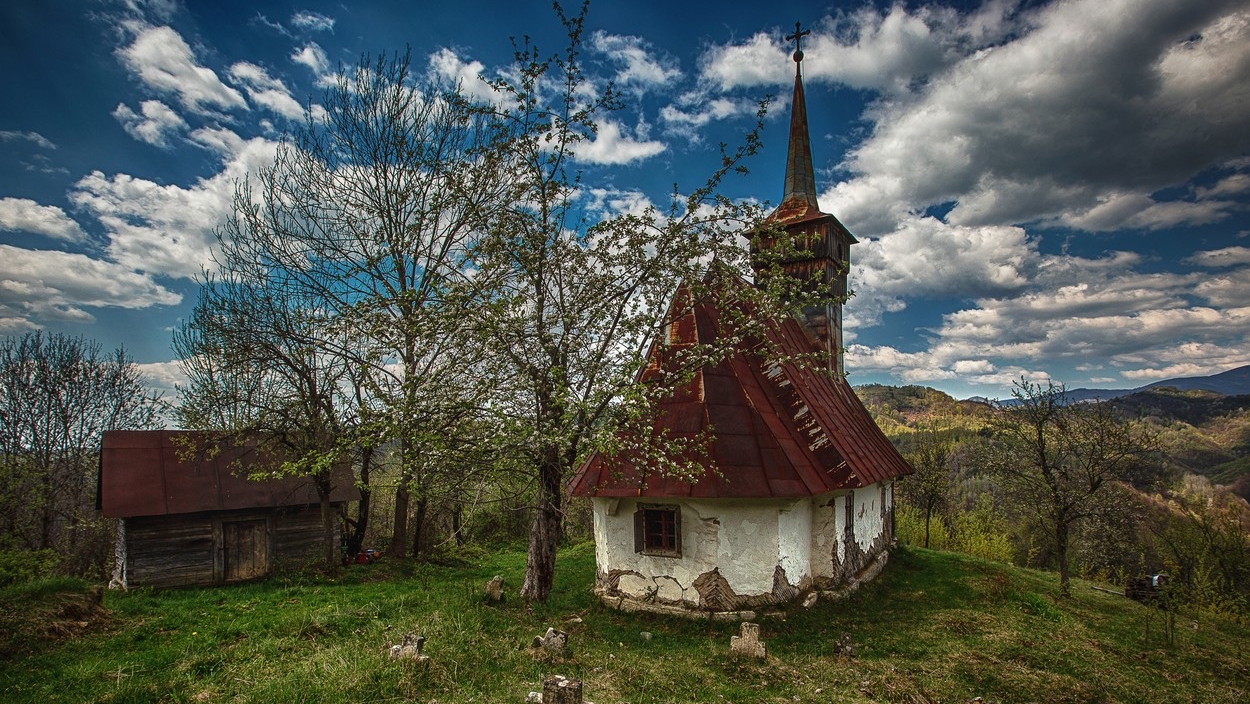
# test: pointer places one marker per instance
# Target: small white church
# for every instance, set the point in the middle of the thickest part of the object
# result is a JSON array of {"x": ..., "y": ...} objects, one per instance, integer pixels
[{"x": 801, "y": 496}]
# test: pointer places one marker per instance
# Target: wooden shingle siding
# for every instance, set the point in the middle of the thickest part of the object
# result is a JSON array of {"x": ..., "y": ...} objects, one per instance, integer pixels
[
  {"x": 297, "y": 536},
  {"x": 191, "y": 549},
  {"x": 171, "y": 551}
]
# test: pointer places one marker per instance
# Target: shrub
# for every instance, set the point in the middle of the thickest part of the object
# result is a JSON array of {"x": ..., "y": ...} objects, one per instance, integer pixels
[{"x": 19, "y": 566}]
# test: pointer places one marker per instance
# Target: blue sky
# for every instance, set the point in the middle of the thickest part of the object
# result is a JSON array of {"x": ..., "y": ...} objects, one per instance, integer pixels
[{"x": 1039, "y": 189}]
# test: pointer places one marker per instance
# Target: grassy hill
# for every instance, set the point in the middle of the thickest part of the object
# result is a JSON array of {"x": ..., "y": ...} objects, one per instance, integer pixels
[{"x": 935, "y": 627}]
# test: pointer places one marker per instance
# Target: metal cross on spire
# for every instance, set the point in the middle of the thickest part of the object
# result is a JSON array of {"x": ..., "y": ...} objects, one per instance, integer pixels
[{"x": 797, "y": 38}]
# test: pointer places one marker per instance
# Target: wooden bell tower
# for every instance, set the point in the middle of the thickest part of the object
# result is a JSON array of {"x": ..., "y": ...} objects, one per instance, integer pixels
[{"x": 824, "y": 242}]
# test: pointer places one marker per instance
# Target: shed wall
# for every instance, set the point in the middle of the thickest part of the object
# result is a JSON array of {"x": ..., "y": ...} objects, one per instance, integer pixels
[{"x": 186, "y": 550}]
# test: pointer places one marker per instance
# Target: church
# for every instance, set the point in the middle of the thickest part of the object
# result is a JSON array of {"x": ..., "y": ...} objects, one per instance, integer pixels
[{"x": 799, "y": 500}]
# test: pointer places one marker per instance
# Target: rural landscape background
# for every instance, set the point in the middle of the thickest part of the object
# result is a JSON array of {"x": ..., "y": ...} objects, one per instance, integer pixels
[{"x": 443, "y": 274}]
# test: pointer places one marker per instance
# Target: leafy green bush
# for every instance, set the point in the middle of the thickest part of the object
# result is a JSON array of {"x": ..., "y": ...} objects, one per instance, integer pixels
[{"x": 18, "y": 566}]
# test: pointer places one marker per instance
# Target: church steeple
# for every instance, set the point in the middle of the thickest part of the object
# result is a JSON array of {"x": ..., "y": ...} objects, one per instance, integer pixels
[
  {"x": 800, "y": 176},
  {"x": 825, "y": 242}
]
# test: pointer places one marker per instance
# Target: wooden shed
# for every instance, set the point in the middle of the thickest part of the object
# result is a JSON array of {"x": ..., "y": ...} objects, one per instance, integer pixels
[{"x": 190, "y": 516}]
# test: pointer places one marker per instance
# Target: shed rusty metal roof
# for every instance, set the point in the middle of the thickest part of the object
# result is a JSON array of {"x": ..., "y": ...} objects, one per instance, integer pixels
[
  {"x": 776, "y": 429},
  {"x": 164, "y": 472}
]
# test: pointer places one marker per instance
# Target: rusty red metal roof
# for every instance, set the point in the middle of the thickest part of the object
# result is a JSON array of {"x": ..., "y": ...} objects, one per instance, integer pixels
[
  {"x": 776, "y": 429},
  {"x": 163, "y": 472}
]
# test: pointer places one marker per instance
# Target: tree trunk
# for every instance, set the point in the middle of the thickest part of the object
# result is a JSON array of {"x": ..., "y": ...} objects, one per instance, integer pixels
[
  {"x": 1061, "y": 551},
  {"x": 356, "y": 541},
  {"x": 456, "y": 528},
  {"x": 327, "y": 523},
  {"x": 327, "y": 533},
  {"x": 399, "y": 528},
  {"x": 545, "y": 532},
  {"x": 419, "y": 523}
]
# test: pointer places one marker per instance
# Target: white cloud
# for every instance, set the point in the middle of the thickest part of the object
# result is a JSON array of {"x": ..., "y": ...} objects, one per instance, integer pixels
[
  {"x": 1228, "y": 289},
  {"x": 1077, "y": 127},
  {"x": 33, "y": 137},
  {"x": 312, "y": 21},
  {"x": 168, "y": 229},
  {"x": 869, "y": 48},
  {"x": 153, "y": 126},
  {"x": 314, "y": 57},
  {"x": 606, "y": 202},
  {"x": 926, "y": 257},
  {"x": 164, "y": 62},
  {"x": 695, "y": 110},
  {"x": 162, "y": 10},
  {"x": 24, "y": 215},
  {"x": 1228, "y": 256},
  {"x": 223, "y": 141},
  {"x": 760, "y": 61},
  {"x": 1233, "y": 185},
  {"x": 612, "y": 145},
  {"x": 447, "y": 65},
  {"x": 164, "y": 377},
  {"x": 641, "y": 70},
  {"x": 42, "y": 285},
  {"x": 266, "y": 90}
]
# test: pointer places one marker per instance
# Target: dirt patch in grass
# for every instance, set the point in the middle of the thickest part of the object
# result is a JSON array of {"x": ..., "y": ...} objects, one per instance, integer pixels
[{"x": 37, "y": 615}]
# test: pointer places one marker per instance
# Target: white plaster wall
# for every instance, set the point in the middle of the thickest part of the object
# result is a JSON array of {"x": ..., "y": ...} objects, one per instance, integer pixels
[
  {"x": 745, "y": 539},
  {"x": 794, "y": 533},
  {"x": 867, "y": 516},
  {"x": 826, "y": 534}
]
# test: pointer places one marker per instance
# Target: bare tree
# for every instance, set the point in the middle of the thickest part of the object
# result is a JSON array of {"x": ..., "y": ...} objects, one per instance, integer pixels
[
  {"x": 253, "y": 356},
  {"x": 1058, "y": 458},
  {"x": 364, "y": 218},
  {"x": 60, "y": 394}
]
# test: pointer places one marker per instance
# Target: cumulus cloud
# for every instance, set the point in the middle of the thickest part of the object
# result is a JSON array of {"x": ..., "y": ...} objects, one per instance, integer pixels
[
  {"x": 640, "y": 69},
  {"x": 164, "y": 377},
  {"x": 24, "y": 215},
  {"x": 168, "y": 229},
  {"x": 314, "y": 57},
  {"x": 265, "y": 90},
  {"x": 613, "y": 145},
  {"x": 1066, "y": 125},
  {"x": 926, "y": 257},
  {"x": 164, "y": 62},
  {"x": 153, "y": 124},
  {"x": 42, "y": 285},
  {"x": 609, "y": 202},
  {"x": 447, "y": 65},
  {"x": 871, "y": 48}
]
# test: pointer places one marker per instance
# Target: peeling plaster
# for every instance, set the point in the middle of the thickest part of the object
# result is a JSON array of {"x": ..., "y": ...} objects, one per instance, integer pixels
[{"x": 742, "y": 554}]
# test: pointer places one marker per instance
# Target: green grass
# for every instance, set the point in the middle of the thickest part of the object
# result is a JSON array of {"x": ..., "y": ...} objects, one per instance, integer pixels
[{"x": 935, "y": 627}]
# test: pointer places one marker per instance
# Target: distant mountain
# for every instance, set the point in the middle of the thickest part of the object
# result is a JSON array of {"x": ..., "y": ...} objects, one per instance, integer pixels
[
  {"x": 1203, "y": 422},
  {"x": 1234, "y": 382}
]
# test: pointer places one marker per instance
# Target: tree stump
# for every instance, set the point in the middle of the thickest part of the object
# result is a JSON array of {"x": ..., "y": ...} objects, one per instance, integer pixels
[{"x": 558, "y": 689}]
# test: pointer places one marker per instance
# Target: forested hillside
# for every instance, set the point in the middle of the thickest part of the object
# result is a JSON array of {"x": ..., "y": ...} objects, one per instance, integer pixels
[{"x": 1177, "y": 503}]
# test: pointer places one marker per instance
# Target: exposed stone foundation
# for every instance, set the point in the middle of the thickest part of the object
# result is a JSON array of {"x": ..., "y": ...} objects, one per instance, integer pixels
[{"x": 716, "y": 599}]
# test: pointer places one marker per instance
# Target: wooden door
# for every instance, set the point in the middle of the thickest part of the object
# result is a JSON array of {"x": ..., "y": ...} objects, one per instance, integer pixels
[{"x": 245, "y": 545}]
